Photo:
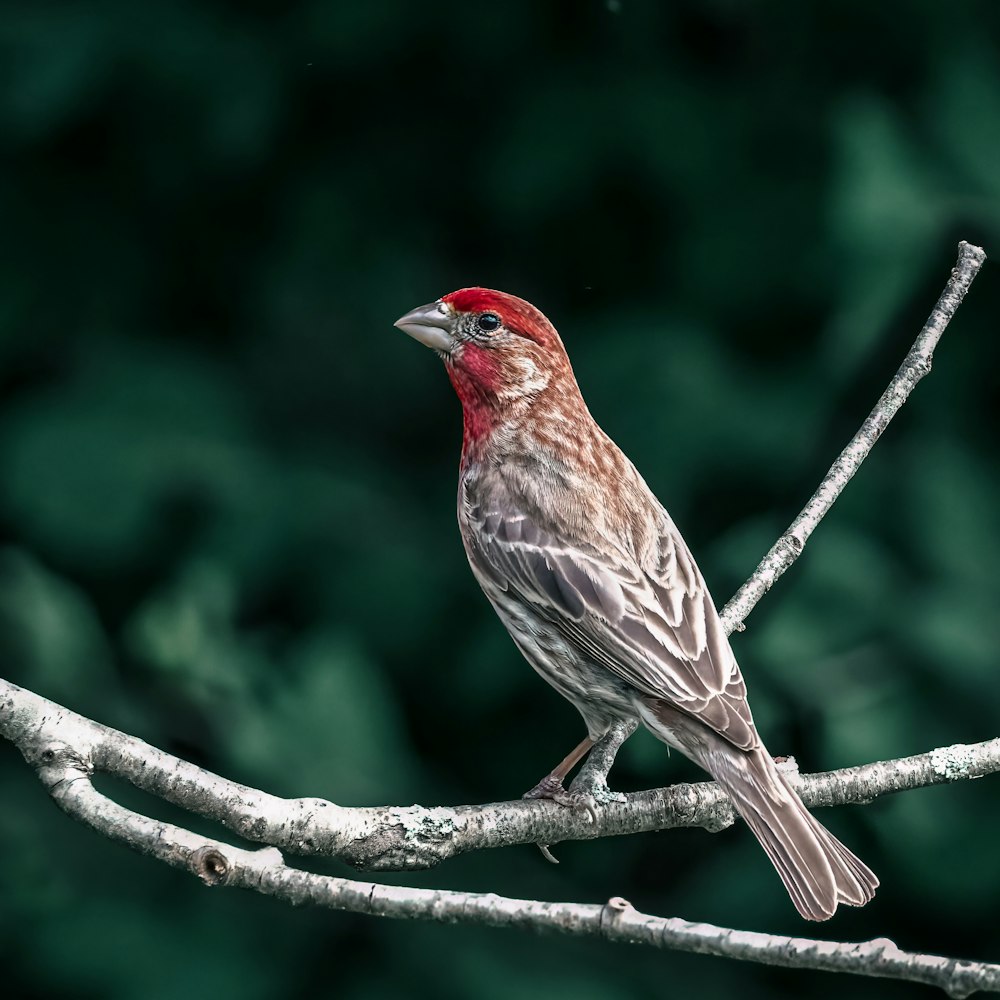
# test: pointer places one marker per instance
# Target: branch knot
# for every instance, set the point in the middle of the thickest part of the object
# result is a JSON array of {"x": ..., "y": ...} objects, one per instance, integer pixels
[
  {"x": 57, "y": 762},
  {"x": 210, "y": 865}
]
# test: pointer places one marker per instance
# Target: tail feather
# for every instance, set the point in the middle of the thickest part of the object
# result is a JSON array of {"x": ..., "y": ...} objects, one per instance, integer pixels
[
  {"x": 856, "y": 882},
  {"x": 818, "y": 871}
]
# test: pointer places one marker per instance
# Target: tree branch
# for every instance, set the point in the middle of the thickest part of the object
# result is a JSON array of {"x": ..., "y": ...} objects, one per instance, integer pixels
[
  {"x": 68, "y": 779},
  {"x": 400, "y": 838},
  {"x": 915, "y": 366},
  {"x": 67, "y": 749}
]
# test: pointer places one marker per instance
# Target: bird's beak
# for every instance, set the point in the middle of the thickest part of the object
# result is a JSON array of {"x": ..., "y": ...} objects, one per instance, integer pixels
[{"x": 431, "y": 325}]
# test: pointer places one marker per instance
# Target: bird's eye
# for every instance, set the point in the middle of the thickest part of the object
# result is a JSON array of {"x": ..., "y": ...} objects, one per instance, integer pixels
[{"x": 488, "y": 322}]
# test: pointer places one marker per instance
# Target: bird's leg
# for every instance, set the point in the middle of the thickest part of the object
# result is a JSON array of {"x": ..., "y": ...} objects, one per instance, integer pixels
[
  {"x": 590, "y": 787},
  {"x": 551, "y": 786},
  {"x": 592, "y": 781}
]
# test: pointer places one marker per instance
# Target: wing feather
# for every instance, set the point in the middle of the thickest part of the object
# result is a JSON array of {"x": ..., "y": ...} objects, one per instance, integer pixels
[{"x": 655, "y": 628}]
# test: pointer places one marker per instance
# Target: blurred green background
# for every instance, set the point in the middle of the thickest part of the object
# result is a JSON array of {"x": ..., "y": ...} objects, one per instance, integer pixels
[{"x": 227, "y": 483}]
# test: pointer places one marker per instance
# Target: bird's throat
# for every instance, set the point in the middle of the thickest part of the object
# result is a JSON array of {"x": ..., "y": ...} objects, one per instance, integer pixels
[{"x": 478, "y": 382}]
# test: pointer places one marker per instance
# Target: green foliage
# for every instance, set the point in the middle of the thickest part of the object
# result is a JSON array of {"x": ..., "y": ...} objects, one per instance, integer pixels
[{"x": 228, "y": 484}]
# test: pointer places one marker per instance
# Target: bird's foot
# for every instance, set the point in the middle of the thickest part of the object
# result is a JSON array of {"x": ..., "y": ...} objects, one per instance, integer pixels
[
  {"x": 552, "y": 788},
  {"x": 590, "y": 787},
  {"x": 548, "y": 788},
  {"x": 593, "y": 786},
  {"x": 592, "y": 779},
  {"x": 589, "y": 791}
]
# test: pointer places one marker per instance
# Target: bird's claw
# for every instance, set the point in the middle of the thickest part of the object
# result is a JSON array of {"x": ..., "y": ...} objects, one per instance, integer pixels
[
  {"x": 552, "y": 789},
  {"x": 547, "y": 854},
  {"x": 579, "y": 800},
  {"x": 548, "y": 788},
  {"x": 595, "y": 789}
]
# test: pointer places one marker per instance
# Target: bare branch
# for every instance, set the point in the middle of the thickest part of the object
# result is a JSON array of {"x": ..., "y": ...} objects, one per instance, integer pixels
[
  {"x": 915, "y": 366},
  {"x": 397, "y": 838},
  {"x": 68, "y": 780}
]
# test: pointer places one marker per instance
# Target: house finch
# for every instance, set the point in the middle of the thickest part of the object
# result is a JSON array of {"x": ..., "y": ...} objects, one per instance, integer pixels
[{"x": 596, "y": 586}]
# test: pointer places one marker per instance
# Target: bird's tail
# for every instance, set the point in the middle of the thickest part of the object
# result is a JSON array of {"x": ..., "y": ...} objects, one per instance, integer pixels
[{"x": 818, "y": 870}]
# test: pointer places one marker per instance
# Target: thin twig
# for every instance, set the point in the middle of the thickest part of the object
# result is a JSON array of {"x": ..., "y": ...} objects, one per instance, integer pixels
[{"x": 915, "y": 366}]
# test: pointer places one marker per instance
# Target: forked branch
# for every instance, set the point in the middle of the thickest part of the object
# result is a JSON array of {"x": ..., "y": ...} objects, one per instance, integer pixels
[{"x": 68, "y": 779}]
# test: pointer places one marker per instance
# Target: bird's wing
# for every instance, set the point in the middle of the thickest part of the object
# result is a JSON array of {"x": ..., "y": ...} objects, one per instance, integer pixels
[{"x": 656, "y": 628}]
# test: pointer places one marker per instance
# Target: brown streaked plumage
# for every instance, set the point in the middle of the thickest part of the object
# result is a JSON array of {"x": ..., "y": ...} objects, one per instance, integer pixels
[{"x": 595, "y": 584}]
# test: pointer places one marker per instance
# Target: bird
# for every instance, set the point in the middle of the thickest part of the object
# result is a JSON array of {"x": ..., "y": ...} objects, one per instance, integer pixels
[{"x": 596, "y": 585}]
